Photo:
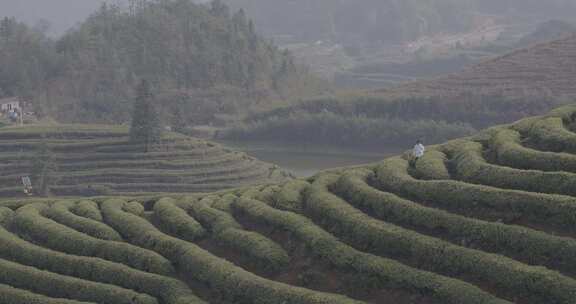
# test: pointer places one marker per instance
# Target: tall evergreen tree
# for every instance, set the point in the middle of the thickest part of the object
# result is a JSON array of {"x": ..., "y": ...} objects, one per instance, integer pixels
[
  {"x": 146, "y": 128},
  {"x": 44, "y": 168}
]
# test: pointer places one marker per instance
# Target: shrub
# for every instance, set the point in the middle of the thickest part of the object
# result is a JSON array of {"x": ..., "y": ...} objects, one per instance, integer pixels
[
  {"x": 231, "y": 281},
  {"x": 432, "y": 253},
  {"x": 58, "y": 237},
  {"x": 478, "y": 200},
  {"x": 534, "y": 246},
  {"x": 11, "y": 295},
  {"x": 170, "y": 291},
  {"x": 507, "y": 147},
  {"x": 60, "y": 212},
  {"x": 224, "y": 229},
  {"x": 176, "y": 221},
  {"x": 56, "y": 285},
  {"x": 389, "y": 272},
  {"x": 470, "y": 166},
  {"x": 331, "y": 128}
]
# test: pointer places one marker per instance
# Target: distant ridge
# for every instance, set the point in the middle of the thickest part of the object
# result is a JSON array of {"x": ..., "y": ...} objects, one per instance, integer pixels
[{"x": 544, "y": 70}]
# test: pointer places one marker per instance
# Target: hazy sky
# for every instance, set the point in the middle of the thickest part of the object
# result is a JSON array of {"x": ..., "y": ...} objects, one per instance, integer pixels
[{"x": 62, "y": 14}]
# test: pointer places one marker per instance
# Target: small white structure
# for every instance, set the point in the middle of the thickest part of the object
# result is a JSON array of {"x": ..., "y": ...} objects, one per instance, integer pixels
[{"x": 10, "y": 105}]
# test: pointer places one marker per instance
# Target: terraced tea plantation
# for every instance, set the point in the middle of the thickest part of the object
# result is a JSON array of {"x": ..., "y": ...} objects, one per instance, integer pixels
[
  {"x": 487, "y": 219},
  {"x": 100, "y": 160}
]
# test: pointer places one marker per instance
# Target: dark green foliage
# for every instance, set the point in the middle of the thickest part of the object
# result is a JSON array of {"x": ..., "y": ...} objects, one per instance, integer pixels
[
  {"x": 206, "y": 52},
  {"x": 62, "y": 238},
  {"x": 508, "y": 150},
  {"x": 176, "y": 221},
  {"x": 27, "y": 58},
  {"x": 470, "y": 166},
  {"x": 236, "y": 283},
  {"x": 11, "y": 295},
  {"x": 223, "y": 228},
  {"x": 334, "y": 129},
  {"x": 383, "y": 238},
  {"x": 146, "y": 127},
  {"x": 94, "y": 269},
  {"x": 44, "y": 169},
  {"x": 388, "y": 271},
  {"x": 514, "y": 241},
  {"x": 61, "y": 213},
  {"x": 371, "y": 120},
  {"x": 447, "y": 230}
]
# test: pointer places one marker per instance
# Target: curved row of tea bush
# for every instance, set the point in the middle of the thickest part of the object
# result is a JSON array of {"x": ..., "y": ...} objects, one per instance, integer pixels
[
  {"x": 231, "y": 281},
  {"x": 388, "y": 271},
  {"x": 29, "y": 221},
  {"x": 11, "y": 295},
  {"x": 549, "y": 134},
  {"x": 176, "y": 220},
  {"x": 61, "y": 212},
  {"x": 226, "y": 230},
  {"x": 487, "y": 219},
  {"x": 470, "y": 166},
  {"x": 431, "y": 253},
  {"x": 554, "y": 211},
  {"x": 57, "y": 286},
  {"x": 517, "y": 242},
  {"x": 506, "y": 145},
  {"x": 170, "y": 291}
]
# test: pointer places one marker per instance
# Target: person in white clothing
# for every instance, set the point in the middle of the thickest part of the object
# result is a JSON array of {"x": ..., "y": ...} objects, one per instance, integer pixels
[{"x": 418, "y": 152}]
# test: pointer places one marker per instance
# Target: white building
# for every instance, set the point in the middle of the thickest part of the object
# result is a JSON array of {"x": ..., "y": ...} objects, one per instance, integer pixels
[{"x": 11, "y": 104}]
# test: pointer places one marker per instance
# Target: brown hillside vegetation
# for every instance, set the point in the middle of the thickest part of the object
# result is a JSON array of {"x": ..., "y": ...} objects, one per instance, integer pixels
[
  {"x": 488, "y": 219},
  {"x": 544, "y": 70},
  {"x": 100, "y": 160}
]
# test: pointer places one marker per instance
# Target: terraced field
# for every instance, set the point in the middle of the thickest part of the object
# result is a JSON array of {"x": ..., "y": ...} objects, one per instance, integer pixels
[
  {"x": 545, "y": 70},
  {"x": 485, "y": 219},
  {"x": 99, "y": 160}
]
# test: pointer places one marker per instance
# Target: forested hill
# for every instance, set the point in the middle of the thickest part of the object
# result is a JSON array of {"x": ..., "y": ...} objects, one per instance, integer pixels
[{"x": 203, "y": 58}]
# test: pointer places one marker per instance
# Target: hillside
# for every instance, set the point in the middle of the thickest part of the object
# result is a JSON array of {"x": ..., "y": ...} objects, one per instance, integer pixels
[
  {"x": 525, "y": 82},
  {"x": 544, "y": 70},
  {"x": 203, "y": 59},
  {"x": 484, "y": 219},
  {"x": 100, "y": 160}
]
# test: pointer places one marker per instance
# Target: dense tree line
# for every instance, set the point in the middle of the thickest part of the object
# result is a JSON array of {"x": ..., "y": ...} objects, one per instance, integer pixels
[
  {"x": 200, "y": 58},
  {"x": 372, "y": 120},
  {"x": 328, "y": 128}
]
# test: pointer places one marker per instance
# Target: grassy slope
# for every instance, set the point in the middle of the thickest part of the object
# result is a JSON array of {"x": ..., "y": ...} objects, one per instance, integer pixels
[
  {"x": 484, "y": 219},
  {"x": 96, "y": 159}
]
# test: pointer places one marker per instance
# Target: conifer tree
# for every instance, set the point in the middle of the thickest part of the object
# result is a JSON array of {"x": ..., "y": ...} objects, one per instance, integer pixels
[
  {"x": 43, "y": 170},
  {"x": 146, "y": 128}
]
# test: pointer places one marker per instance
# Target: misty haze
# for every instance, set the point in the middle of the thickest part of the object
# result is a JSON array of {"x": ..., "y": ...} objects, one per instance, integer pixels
[{"x": 288, "y": 151}]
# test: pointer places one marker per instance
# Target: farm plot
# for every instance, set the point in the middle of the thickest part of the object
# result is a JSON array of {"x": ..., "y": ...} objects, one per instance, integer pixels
[
  {"x": 489, "y": 219},
  {"x": 99, "y": 160}
]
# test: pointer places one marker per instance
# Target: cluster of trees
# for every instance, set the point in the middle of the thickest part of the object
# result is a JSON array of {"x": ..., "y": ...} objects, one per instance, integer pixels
[
  {"x": 372, "y": 120},
  {"x": 329, "y": 128},
  {"x": 200, "y": 58}
]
